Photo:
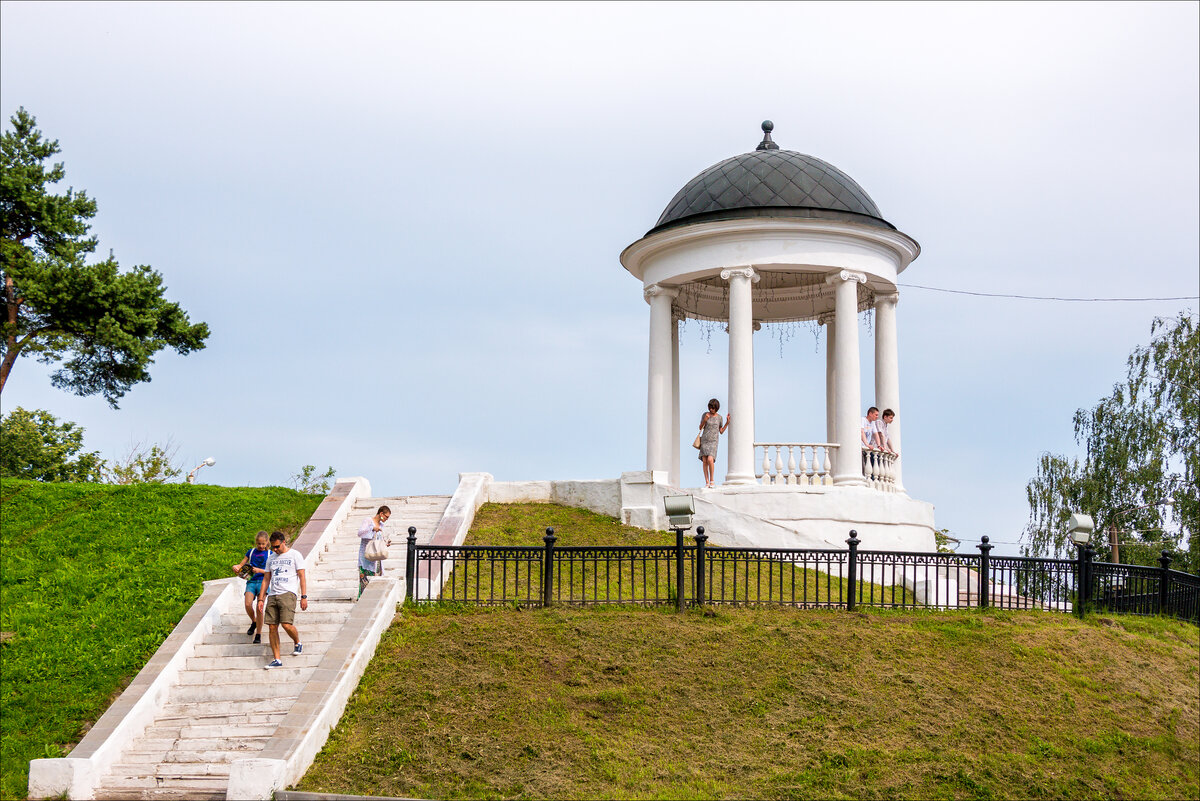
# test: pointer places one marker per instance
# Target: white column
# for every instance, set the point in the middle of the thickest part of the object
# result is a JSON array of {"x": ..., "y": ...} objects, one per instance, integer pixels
[
  {"x": 848, "y": 391},
  {"x": 658, "y": 395},
  {"x": 676, "y": 477},
  {"x": 740, "y": 468},
  {"x": 887, "y": 369},
  {"x": 830, "y": 376}
]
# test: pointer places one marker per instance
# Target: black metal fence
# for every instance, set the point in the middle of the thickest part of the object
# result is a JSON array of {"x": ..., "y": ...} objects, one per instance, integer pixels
[{"x": 700, "y": 574}]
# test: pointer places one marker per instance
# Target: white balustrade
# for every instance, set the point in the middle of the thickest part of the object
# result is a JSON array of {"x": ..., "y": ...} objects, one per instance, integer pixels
[
  {"x": 813, "y": 468},
  {"x": 810, "y": 464},
  {"x": 879, "y": 469}
]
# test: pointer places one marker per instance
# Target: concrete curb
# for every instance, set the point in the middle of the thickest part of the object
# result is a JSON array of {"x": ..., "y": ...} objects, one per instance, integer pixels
[{"x": 303, "y": 732}]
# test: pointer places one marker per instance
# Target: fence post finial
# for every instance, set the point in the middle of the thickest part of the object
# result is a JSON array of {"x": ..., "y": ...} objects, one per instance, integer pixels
[
  {"x": 985, "y": 569},
  {"x": 701, "y": 538},
  {"x": 410, "y": 565}
]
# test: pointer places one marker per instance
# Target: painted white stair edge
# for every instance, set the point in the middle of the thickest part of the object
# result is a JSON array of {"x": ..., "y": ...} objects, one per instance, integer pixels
[
  {"x": 78, "y": 775},
  {"x": 302, "y": 734}
]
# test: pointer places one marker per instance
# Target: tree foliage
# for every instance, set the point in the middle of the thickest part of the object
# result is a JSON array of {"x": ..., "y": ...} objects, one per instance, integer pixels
[
  {"x": 101, "y": 325},
  {"x": 310, "y": 482},
  {"x": 155, "y": 464},
  {"x": 1141, "y": 466},
  {"x": 34, "y": 445}
]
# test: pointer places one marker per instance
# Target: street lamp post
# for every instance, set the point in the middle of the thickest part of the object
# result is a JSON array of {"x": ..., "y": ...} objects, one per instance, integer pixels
[
  {"x": 209, "y": 462},
  {"x": 1080, "y": 528}
]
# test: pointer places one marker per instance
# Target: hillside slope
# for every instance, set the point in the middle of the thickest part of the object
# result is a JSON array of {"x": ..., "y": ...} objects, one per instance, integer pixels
[
  {"x": 93, "y": 578},
  {"x": 764, "y": 703},
  {"x": 606, "y": 703}
]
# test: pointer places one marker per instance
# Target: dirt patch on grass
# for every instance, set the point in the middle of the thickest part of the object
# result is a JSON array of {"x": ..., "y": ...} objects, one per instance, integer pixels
[{"x": 770, "y": 704}]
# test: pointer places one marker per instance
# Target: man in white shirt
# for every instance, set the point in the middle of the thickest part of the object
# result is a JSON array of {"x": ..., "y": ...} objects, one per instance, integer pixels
[
  {"x": 285, "y": 567},
  {"x": 869, "y": 431},
  {"x": 885, "y": 442}
]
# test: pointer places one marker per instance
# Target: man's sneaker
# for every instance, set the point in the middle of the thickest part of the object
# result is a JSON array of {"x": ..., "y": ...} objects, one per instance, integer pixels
[
  {"x": 258, "y": 639},
  {"x": 274, "y": 663},
  {"x": 296, "y": 651},
  {"x": 250, "y": 630}
]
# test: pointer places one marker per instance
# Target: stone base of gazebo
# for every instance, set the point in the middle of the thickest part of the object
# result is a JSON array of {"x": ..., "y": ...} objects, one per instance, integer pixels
[{"x": 751, "y": 515}]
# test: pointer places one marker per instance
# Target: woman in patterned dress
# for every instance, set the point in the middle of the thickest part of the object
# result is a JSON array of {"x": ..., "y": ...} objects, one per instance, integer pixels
[{"x": 711, "y": 429}]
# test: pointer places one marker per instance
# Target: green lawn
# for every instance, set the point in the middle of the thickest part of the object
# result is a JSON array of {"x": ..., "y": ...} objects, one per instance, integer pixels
[{"x": 93, "y": 578}]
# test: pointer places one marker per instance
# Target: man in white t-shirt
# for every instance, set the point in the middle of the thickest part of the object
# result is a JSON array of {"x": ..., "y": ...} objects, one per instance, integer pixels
[
  {"x": 285, "y": 567},
  {"x": 885, "y": 442},
  {"x": 869, "y": 431}
]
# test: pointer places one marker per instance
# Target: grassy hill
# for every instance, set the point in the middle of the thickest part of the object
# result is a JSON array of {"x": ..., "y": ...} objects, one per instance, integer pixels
[
  {"x": 93, "y": 578},
  {"x": 765, "y": 703}
]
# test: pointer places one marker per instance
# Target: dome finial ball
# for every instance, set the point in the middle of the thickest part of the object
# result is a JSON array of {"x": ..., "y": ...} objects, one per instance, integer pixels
[{"x": 768, "y": 126}]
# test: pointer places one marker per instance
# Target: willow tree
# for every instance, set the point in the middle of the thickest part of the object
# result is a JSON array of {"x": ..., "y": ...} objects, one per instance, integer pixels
[
  {"x": 1140, "y": 470},
  {"x": 101, "y": 325}
]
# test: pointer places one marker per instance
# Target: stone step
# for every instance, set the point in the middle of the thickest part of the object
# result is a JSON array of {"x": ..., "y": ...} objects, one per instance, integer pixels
[
  {"x": 190, "y": 786},
  {"x": 310, "y": 658},
  {"x": 218, "y": 753},
  {"x": 323, "y": 632},
  {"x": 242, "y": 644},
  {"x": 219, "y": 731},
  {"x": 198, "y": 710},
  {"x": 177, "y": 749},
  {"x": 191, "y": 693},
  {"x": 216, "y": 716},
  {"x": 243, "y": 676},
  {"x": 158, "y": 793},
  {"x": 173, "y": 770},
  {"x": 329, "y": 612}
]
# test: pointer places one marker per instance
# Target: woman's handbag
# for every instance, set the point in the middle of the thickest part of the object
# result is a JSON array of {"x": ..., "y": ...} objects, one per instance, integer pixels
[
  {"x": 696, "y": 442},
  {"x": 376, "y": 550}
]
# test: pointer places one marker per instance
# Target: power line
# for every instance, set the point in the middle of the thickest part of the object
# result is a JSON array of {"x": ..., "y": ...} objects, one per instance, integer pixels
[{"x": 1045, "y": 297}]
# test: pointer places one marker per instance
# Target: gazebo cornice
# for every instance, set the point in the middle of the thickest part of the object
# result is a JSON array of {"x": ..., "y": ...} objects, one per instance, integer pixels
[{"x": 677, "y": 255}]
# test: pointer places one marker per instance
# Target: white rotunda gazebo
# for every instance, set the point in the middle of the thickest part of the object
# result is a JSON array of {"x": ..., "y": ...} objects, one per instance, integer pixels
[{"x": 765, "y": 237}]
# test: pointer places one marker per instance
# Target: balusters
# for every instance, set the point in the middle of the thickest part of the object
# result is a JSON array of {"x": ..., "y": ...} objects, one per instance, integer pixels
[
  {"x": 766, "y": 469},
  {"x": 802, "y": 478},
  {"x": 792, "y": 478}
]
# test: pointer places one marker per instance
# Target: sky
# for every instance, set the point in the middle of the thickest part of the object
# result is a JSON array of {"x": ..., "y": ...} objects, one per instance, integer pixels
[{"x": 402, "y": 222}]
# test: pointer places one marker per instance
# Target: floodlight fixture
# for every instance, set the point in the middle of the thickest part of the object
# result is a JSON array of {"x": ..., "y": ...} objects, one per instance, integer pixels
[
  {"x": 680, "y": 509},
  {"x": 1080, "y": 528}
]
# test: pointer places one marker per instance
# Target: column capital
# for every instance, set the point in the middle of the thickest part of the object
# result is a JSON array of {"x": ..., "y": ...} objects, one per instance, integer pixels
[
  {"x": 826, "y": 318},
  {"x": 890, "y": 298},
  {"x": 655, "y": 290},
  {"x": 845, "y": 275},
  {"x": 740, "y": 272}
]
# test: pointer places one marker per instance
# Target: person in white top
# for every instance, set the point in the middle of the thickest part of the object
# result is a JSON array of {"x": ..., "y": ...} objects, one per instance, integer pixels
[
  {"x": 881, "y": 427},
  {"x": 370, "y": 528},
  {"x": 869, "y": 430},
  {"x": 285, "y": 567}
]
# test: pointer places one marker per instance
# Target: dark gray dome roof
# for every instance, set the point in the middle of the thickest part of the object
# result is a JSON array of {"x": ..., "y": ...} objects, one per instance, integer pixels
[{"x": 769, "y": 182}]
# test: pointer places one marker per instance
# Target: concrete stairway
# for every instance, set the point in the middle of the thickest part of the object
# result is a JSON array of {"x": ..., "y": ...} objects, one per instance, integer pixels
[{"x": 225, "y": 706}]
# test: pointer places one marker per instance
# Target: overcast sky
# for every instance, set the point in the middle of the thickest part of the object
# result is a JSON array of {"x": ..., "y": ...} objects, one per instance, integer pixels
[{"x": 402, "y": 222}]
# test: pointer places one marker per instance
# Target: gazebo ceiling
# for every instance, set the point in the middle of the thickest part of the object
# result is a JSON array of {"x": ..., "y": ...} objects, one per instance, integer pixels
[
  {"x": 769, "y": 182},
  {"x": 778, "y": 296}
]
